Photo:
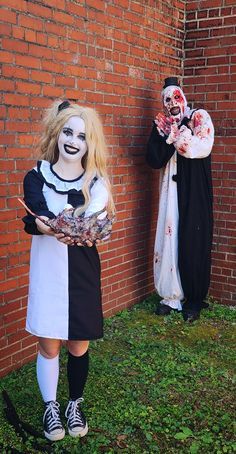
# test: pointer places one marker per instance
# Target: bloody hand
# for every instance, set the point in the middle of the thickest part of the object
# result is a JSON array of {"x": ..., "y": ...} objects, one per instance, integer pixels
[{"x": 163, "y": 123}]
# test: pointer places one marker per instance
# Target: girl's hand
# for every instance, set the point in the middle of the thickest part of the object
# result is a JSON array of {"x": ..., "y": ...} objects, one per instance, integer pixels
[
  {"x": 44, "y": 228},
  {"x": 64, "y": 239},
  {"x": 89, "y": 243}
]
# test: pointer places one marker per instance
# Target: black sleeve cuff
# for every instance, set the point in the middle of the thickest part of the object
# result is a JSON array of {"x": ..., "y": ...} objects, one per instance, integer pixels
[{"x": 30, "y": 224}]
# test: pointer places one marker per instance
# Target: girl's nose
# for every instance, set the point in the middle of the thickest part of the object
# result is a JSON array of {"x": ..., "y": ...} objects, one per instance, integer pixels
[{"x": 72, "y": 140}]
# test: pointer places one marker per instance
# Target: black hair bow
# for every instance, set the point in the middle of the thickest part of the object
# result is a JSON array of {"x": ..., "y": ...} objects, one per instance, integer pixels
[{"x": 63, "y": 105}]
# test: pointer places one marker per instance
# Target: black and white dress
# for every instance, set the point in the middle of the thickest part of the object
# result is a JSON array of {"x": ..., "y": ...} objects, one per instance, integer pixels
[{"x": 64, "y": 291}]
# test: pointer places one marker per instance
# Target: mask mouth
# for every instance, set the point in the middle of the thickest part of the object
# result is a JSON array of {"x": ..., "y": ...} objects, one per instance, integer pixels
[
  {"x": 71, "y": 150},
  {"x": 175, "y": 111}
]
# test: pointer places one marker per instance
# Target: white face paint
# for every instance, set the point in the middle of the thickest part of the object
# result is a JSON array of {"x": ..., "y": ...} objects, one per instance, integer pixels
[
  {"x": 174, "y": 103},
  {"x": 72, "y": 143}
]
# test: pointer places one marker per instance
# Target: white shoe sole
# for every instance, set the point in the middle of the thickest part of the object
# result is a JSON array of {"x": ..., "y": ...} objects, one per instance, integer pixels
[
  {"x": 55, "y": 437},
  {"x": 82, "y": 433}
]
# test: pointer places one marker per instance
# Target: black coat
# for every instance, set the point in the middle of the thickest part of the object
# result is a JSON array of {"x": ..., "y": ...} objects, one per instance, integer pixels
[{"x": 194, "y": 189}]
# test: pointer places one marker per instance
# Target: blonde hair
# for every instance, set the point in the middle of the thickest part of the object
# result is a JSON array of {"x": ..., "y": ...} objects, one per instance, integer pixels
[{"x": 94, "y": 161}]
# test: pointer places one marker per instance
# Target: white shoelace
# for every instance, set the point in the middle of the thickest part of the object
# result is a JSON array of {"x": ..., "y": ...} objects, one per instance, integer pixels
[
  {"x": 52, "y": 416},
  {"x": 73, "y": 413}
]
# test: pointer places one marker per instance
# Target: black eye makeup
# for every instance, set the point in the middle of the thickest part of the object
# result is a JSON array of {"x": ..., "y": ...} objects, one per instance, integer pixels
[
  {"x": 168, "y": 99},
  {"x": 67, "y": 131}
]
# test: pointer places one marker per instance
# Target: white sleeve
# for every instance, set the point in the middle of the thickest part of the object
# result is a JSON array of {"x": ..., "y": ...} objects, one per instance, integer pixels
[
  {"x": 196, "y": 143},
  {"x": 99, "y": 198}
]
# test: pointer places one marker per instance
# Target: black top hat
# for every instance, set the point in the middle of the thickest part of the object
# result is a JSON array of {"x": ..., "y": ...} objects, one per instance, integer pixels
[{"x": 171, "y": 81}]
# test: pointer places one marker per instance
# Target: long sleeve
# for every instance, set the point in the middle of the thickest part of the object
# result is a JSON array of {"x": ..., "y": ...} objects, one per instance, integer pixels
[
  {"x": 158, "y": 151},
  {"x": 34, "y": 199},
  {"x": 197, "y": 142}
]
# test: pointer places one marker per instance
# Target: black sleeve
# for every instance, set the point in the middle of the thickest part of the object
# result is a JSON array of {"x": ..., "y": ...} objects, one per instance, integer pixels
[
  {"x": 34, "y": 199},
  {"x": 158, "y": 151}
]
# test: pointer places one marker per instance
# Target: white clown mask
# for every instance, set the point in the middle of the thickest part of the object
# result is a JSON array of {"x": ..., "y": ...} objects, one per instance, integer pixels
[
  {"x": 72, "y": 143},
  {"x": 174, "y": 103}
]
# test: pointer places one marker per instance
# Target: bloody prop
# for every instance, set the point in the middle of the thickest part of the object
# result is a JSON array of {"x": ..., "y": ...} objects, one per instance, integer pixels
[{"x": 79, "y": 228}]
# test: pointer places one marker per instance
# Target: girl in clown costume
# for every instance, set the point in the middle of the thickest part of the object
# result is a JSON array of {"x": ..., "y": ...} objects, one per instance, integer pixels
[{"x": 64, "y": 302}]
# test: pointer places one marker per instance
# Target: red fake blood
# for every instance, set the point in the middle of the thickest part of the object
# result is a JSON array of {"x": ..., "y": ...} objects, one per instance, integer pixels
[
  {"x": 179, "y": 94},
  {"x": 197, "y": 121},
  {"x": 169, "y": 230}
]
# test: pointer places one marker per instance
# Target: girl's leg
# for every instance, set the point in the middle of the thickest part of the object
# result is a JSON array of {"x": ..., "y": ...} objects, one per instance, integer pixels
[
  {"x": 77, "y": 372},
  {"x": 48, "y": 367},
  {"x": 47, "y": 375},
  {"x": 77, "y": 367}
]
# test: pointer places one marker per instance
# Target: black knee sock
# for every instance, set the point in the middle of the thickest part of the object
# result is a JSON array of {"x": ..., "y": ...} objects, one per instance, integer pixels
[{"x": 77, "y": 373}]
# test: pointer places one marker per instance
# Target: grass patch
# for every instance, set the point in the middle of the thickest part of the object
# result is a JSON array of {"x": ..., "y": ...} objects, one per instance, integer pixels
[{"x": 156, "y": 385}]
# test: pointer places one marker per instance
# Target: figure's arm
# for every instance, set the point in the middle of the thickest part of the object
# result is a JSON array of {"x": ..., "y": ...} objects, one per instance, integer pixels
[
  {"x": 99, "y": 198},
  {"x": 158, "y": 151},
  {"x": 197, "y": 142},
  {"x": 34, "y": 199}
]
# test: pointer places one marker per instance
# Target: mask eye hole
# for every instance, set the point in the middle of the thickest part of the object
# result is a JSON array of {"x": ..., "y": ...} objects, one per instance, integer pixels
[{"x": 168, "y": 99}]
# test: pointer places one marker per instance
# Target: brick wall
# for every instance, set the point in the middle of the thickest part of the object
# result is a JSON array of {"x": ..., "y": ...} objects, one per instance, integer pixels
[
  {"x": 210, "y": 82},
  {"x": 112, "y": 55}
]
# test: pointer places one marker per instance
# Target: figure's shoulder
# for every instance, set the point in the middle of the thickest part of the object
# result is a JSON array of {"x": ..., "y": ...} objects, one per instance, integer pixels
[
  {"x": 33, "y": 178},
  {"x": 37, "y": 168},
  {"x": 34, "y": 172},
  {"x": 200, "y": 118},
  {"x": 200, "y": 114}
]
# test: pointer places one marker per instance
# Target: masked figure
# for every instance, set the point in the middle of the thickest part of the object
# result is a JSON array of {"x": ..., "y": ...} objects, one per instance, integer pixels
[{"x": 180, "y": 145}]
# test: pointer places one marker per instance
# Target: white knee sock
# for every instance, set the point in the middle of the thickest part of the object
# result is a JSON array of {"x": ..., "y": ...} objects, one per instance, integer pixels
[{"x": 47, "y": 376}]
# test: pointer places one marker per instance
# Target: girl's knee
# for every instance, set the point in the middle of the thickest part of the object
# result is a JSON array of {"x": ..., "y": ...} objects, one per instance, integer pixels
[
  {"x": 78, "y": 348},
  {"x": 49, "y": 348}
]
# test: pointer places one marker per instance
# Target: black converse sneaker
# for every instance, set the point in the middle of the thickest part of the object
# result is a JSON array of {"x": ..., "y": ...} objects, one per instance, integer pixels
[
  {"x": 53, "y": 429},
  {"x": 77, "y": 425}
]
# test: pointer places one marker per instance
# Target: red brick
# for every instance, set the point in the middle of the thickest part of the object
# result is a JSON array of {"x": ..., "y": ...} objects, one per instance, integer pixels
[
  {"x": 14, "y": 45},
  {"x": 28, "y": 61},
  {"x": 30, "y": 35},
  {"x": 6, "y": 29},
  {"x": 18, "y": 73},
  {"x": 22, "y": 354},
  {"x": 53, "y": 28},
  {"x": 8, "y": 16},
  {"x": 24, "y": 87},
  {"x": 39, "y": 10},
  {"x": 5, "y": 365},
  {"x": 30, "y": 22},
  {"x": 42, "y": 76},
  {"x": 42, "y": 39},
  {"x": 6, "y": 57},
  {"x": 96, "y": 4},
  {"x": 38, "y": 51},
  {"x": 76, "y": 9},
  {"x": 62, "y": 17}
]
